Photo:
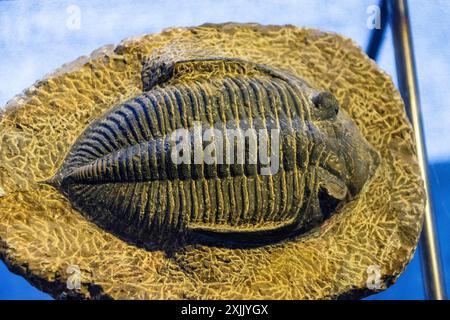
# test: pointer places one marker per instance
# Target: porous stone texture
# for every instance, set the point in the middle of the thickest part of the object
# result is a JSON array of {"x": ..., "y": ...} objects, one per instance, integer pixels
[{"x": 44, "y": 239}]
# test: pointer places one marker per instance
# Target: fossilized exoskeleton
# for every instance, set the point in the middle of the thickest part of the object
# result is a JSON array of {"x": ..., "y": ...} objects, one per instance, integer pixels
[{"x": 128, "y": 173}]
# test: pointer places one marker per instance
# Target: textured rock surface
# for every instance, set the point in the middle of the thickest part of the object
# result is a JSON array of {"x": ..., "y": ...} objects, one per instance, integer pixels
[{"x": 42, "y": 235}]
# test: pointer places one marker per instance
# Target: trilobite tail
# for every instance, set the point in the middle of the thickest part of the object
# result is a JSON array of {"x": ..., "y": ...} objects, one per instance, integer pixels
[
  {"x": 54, "y": 181},
  {"x": 147, "y": 161}
]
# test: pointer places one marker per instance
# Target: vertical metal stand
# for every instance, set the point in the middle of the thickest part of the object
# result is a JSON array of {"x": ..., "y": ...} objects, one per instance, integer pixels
[{"x": 397, "y": 10}]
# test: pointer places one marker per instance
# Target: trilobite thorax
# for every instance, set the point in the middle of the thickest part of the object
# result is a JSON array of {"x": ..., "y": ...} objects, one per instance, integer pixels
[{"x": 128, "y": 173}]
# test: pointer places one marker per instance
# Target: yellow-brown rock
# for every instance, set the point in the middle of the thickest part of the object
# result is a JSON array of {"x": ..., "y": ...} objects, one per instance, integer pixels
[{"x": 44, "y": 239}]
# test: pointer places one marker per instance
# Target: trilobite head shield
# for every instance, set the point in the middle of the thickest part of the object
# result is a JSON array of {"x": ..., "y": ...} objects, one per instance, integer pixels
[{"x": 185, "y": 156}]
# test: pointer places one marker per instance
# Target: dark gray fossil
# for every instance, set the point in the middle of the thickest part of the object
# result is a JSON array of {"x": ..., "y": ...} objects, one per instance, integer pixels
[{"x": 121, "y": 172}]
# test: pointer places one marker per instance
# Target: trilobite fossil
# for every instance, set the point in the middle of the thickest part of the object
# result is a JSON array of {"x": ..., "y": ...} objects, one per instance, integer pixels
[{"x": 124, "y": 171}]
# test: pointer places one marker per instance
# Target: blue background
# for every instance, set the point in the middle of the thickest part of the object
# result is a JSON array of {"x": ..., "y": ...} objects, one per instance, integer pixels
[{"x": 37, "y": 37}]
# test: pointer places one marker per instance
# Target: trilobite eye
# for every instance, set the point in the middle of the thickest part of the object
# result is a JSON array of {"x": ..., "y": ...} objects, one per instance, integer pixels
[{"x": 326, "y": 105}]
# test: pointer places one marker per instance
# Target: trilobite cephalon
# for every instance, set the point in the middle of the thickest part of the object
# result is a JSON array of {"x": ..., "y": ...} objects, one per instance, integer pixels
[{"x": 122, "y": 173}]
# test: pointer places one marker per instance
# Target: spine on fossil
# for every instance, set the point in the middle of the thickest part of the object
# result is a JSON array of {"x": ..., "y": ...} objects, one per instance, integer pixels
[{"x": 238, "y": 153}]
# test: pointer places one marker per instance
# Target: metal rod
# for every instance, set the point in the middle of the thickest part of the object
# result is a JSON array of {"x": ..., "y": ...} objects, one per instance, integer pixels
[
  {"x": 407, "y": 80},
  {"x": 377, "y": 35}
]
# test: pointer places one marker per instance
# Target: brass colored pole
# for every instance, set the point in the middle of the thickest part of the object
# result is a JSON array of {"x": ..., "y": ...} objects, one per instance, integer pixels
[{"x": 407, "y": 80}]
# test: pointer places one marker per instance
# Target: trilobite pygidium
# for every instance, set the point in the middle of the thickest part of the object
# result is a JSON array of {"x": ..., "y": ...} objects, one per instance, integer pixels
[{"x": 121, "y": 174}]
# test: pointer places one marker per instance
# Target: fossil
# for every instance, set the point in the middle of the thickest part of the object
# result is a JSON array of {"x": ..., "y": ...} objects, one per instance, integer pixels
[{"x": 122, "y": 174}]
